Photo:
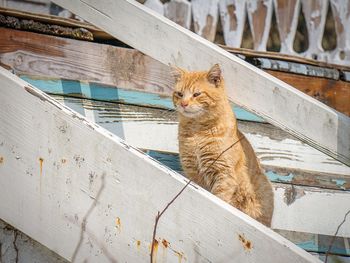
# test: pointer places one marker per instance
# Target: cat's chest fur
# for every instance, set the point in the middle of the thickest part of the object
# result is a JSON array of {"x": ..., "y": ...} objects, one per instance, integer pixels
[{"x": 198, "y": 150}]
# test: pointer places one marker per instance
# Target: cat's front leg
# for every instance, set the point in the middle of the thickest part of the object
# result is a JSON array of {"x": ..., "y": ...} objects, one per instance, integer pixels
[{"x": 225, "y": 189}]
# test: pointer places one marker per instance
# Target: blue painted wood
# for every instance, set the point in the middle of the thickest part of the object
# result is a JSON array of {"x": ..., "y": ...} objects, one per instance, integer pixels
[
  {"x": 275, "y": 177},
  {"x": 114, "y": 94}
]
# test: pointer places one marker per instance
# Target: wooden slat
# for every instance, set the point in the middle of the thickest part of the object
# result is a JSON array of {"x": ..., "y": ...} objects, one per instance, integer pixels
[
  {"x": 279, "y": 153},
  {"x": 233, "y": 15},
  {"x": 205, "y": 18},
  {"x": 341, "y": 13},
  {"x": 25, "y": 53},
  {"x": 148, "y": 128},
  {"x": 320, "y": 244},
  {"x": 155, "y": 5},
  {"x": 287, "y": 14},
  {"x": 39, "y": 55},
  {"x": 77, "y": 183},
  {"x": 334, "y": 93},
  {"x": 304, "y": 117},
  {"x": 275, "y": 174},
  {"x": 31, "y": 6},
  {"x": 179, "y": 11},
  {"x": 285, "y": 57},
  {"x": 55, "y": 20},
  {"x": 260, "y": 14},
  {"x": 315, "y": 12}
]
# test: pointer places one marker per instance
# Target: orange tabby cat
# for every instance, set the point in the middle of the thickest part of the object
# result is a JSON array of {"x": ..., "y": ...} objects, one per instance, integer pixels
[{"x": 208, "y": 127}]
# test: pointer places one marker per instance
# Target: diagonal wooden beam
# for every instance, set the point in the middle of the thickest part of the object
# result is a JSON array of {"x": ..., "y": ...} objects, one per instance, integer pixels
[
  {"x": 249, "y": 87},
  {"x": 93, "y": 196}
]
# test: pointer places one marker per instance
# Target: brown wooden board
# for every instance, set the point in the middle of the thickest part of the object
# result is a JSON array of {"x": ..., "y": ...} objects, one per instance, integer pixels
[
  {"x": 55, "y": 20},
  {"x": 334, "y": 93},
  {"x": 42, "y": 55}
]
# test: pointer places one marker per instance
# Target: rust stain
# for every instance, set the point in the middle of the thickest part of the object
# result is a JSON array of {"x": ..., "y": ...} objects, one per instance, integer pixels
[
  {"x": 63, "y": 161},
  {"x": 165, "y": 243},
  {"x": 179, "y": 255},
  {"x": 41, "y": 161},
  {"x": 118, "y": 224},
  {"x": 1, "y": 159},
  {"x": 138, "y": 244},
  {"x": 247, "y": 245},
  {"x": 155, "y": 250}
]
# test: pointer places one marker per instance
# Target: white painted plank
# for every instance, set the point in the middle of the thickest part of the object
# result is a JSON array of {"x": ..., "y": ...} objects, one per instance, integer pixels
[
  {"x": 155, "y": 5},
  {"x": 315, "y": 13},
  {"x": 131, "y": 124},
  {"x": 341, "y": 13},
  {"x": 249, "y": 87},
  {"x": 85, "y": 194},
  {"x": 179, "y": 11},
  {"x": 205, "y": 18},
  {"x": 233, "y": 15},
  {"x": 311, "y": 210},
  {"x": 259, "y": 15},
  {"x": 287, "y": 14}
]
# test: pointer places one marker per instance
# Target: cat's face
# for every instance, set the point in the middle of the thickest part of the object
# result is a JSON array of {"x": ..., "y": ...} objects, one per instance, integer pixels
[{"x": 197, "y": 93}]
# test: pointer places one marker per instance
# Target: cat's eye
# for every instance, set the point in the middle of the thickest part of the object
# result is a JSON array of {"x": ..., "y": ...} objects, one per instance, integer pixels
[
  {"x": 196, "y": 94},
  {"x": 180, "y": 94}
]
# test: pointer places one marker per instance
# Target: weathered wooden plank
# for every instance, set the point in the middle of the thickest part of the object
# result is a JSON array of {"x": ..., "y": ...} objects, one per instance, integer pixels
[
  {"x": 315, "y": 12},
  {"x": 18, "y": 247},
  {"x": 309, "y": 204},
  {"x": 39, "y": 55},
  {"x": 179, "y": 11},
  {"x": 114, "y": 94},
  {"x": 79, "y": 186},
  {"x": 232, "y": 15},
  {"x": 318, "y": 243},
  {"x": 275, "y": 174},
  {"x": 304, "y": 117},
  {"x": 205, "y": 18},
  {"x": 334, "y": 93},
  {"x": 155, "y": 5},
  {"x": 288, "y": 58},
  {"x": 279, "y": 153},
  {"x": 56, "y": 20},
  {"x": 30, "y": 25},
  {"x": 287, "y": 14},
  {"x": 341, "y": 13},
  {"x": 259, "y": 15},
  {"x": 42, "y": 7}
]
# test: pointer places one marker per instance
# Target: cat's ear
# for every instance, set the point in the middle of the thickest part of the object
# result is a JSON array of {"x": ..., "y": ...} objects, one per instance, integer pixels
[
  {"x": 176, "y": 72},
  {"x": 214, "y": 75}
]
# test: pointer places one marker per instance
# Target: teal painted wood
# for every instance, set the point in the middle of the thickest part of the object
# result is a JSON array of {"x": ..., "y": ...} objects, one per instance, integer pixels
[
  {"x": 110, "y": 93},
  {"x": 318, "y": 244}
]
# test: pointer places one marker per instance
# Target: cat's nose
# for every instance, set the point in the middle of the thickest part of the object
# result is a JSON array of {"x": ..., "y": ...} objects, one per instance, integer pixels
[{"x": 184, "y": 104}]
